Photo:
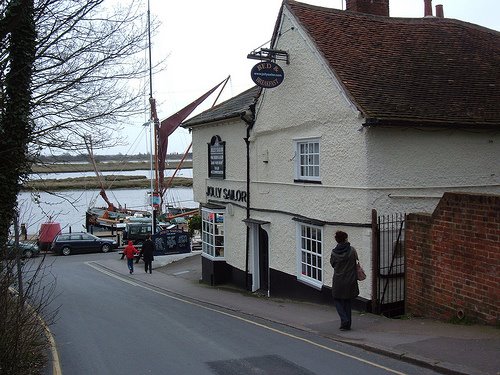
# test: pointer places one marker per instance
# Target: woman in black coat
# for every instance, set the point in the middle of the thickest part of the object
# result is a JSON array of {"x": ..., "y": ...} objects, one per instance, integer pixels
[
  {"x": 148, "y": 248},
  {"x": 345, "y": 283}
]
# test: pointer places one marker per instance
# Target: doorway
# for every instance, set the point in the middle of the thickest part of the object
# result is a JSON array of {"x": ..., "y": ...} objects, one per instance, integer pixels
[{"x": 263, "y": 261}]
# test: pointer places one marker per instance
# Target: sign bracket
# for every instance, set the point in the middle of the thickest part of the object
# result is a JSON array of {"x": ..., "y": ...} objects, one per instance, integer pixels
[{"x": 266, "y": 54}]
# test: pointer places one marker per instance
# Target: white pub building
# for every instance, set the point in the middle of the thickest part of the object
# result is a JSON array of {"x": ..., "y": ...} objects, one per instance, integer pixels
[{"x": 373, "y": 115}]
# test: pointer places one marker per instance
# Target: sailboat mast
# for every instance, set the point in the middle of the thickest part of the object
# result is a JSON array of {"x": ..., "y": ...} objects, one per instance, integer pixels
[
  {"x": 149, "y": 50},
  {"x": 154, "y": 118}
]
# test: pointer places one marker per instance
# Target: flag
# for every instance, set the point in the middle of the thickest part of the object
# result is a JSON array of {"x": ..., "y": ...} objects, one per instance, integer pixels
[{"x": 168, "y": 126}]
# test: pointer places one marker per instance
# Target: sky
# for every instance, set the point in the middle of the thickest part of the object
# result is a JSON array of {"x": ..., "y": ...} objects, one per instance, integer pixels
[{"x": 206, "y": 41}]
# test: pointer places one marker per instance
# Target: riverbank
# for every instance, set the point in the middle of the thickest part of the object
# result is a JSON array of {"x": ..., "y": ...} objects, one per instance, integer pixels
[
  {"x": 111, "y": 182},
  {"x": 104, "y": 167},
  {"x": 115, "y": 181}
]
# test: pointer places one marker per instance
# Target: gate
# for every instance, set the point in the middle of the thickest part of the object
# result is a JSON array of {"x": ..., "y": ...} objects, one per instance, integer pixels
[{"x": 389, "y": 265}]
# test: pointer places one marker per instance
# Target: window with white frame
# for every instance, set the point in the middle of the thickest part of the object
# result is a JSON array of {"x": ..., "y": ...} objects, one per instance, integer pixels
[
  {"x": 212, "y": 233},
  {"x": 310, "y": 254},
  {"x": 307, "y": 159}
]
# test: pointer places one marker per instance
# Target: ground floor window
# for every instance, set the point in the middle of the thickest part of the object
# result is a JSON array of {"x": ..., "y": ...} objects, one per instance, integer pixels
[
  {"x": 310, "y": 254},
  {"x": 212, "y": 232}
]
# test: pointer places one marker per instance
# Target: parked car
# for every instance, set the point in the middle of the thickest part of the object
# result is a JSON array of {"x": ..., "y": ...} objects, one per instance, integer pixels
[
  {"x": 72, "y": 243},
  {"x": 27, "y": 249}
]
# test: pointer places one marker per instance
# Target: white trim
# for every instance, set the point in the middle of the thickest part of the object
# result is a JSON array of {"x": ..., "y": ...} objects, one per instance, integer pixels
[
  {"x": 215, "y": 259},
  {"x": 373, "y": 188},
  {"x": 253, "y": 244},
  {"x": 317, "y": 284},
  {"x": 296, "y": 146},
  {"x": 212, "y": 244}
]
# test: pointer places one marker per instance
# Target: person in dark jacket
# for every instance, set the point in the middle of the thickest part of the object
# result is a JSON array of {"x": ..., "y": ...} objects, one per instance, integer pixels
[
  {"x": 148, "y": 248},
  {"x": 345, "y": 283},
  {"x": 130, "y": 252}
]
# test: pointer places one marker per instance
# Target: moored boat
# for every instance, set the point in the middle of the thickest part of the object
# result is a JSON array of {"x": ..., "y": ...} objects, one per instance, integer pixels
[{"x": 116, "y": 218}]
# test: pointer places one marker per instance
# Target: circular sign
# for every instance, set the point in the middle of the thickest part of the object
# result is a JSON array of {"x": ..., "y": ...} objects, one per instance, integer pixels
[{"x": 267, "y": 74}]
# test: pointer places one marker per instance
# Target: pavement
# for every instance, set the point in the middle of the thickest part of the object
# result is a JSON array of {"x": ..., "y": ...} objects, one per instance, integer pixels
[{"x": 444, "y": 347}]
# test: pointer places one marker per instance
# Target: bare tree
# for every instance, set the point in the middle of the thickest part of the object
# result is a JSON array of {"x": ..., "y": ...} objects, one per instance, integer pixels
[
  {"x": 76, "y": 77},
  {"x": 17, "y": 38},
  {"x": 88, "y": 66},
  {"x": 86, "y": 76},
  {"x": 67, "y": 68}
]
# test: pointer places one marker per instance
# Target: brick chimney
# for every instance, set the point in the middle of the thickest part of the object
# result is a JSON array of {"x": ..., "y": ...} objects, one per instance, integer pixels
[
  {"x": 375, "y": 7},
  {"x": 427, "y": 8},
  {"x": 439, "y": 11}
]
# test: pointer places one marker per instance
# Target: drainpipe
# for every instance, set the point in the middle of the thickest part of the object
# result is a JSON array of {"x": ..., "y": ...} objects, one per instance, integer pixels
[{"x": 249, "y": 118}]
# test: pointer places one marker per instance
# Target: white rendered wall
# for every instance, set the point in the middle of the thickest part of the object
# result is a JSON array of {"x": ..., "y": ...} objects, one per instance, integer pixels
[
  {"x": 308, "y": 104},
  {"x": 235, "y": 238},
  {"x": 410, "y": 169},
  {"x": 233, "y": 133}
]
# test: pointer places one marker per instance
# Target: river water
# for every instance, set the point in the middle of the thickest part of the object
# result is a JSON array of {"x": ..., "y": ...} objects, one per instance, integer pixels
[{"x": 68, "y": 207}]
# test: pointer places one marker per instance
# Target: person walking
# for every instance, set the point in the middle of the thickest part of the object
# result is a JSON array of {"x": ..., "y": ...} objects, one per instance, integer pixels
[
  {"x": 345, "y": 283},
  {"x": 148, "y": 248},
  {"x": 130, "y": 251}
]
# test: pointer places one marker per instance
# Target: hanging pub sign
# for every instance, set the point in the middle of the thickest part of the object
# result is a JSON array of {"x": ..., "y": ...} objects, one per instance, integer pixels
[
  {"x": 217, "y": 158},
  {"x": 267, "y": 74}
]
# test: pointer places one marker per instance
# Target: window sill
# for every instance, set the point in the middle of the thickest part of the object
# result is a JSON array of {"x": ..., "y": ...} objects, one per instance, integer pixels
[
  {"x": 307, "y": 181},
  {"x": 215, "y": 259},
  {"x": 310, "y": 282}
]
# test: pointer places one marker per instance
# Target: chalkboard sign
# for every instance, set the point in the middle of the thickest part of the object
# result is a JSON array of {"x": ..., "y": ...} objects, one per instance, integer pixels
[{"x": 174, "y": 241}]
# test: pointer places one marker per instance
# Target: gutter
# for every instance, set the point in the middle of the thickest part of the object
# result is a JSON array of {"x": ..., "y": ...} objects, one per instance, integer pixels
[{"x": 416, "y": 123}]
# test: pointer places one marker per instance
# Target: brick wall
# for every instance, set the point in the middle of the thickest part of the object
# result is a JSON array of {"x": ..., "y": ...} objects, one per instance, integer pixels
[{"x": 453, "y": 258}]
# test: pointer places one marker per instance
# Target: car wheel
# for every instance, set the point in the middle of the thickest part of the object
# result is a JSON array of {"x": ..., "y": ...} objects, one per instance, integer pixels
[
  {"x": 28, "y": 253},
  {"x": 66, "y": 250},
  {"x": 105, "y": 248}
]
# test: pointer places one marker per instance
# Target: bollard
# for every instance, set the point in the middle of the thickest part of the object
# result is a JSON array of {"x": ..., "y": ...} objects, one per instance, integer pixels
[{"x": 24, "y": 232}]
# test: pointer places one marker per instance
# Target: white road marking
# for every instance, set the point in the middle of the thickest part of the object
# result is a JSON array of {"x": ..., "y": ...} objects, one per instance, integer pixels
[
  {"x": 275, "y": 330},
  {"x": 180, "y": 273}
]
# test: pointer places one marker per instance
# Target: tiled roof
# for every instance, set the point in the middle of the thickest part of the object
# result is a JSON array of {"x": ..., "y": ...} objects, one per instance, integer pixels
[
  {"x": 420, "y": 70},
  {"x": 229, "y": 109}
]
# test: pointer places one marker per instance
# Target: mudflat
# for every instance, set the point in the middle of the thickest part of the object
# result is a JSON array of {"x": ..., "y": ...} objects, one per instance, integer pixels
[
  {"x": 104, "y": 167},
  {"x": 110, "y": 182}
]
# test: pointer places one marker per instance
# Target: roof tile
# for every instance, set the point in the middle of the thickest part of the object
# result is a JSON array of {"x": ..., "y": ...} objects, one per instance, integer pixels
[{"x": 426, "y": 69}]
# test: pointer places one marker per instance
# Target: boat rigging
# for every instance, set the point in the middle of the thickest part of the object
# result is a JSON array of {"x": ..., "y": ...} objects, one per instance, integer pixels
[{"x": 161, "y": 130}]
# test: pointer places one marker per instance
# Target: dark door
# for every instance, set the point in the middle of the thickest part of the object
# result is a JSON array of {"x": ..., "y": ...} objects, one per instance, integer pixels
[{"x": 263, "y": 259}]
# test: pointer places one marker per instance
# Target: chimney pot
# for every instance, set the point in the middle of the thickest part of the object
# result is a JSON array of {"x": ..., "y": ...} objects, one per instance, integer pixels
[
  {"x": 439, "y": 11},
  {"x": 375, "y": 7},
  {"x": 427, "y": 8}
]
